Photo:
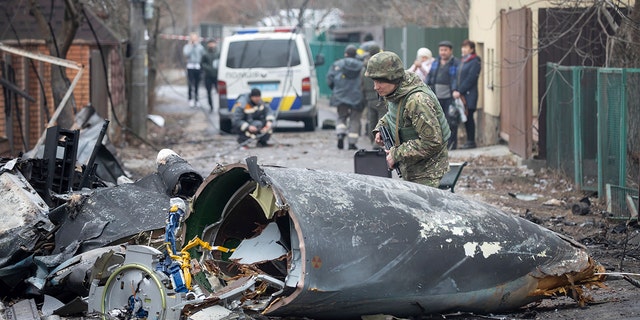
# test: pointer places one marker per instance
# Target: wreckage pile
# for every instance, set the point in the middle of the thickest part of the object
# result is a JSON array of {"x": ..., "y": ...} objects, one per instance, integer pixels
[
  {"x": 69, "y": 201},
  {"x": 81, "y": 240}
]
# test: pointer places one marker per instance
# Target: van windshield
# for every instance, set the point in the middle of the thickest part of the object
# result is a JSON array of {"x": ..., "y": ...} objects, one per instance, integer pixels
[{"x": 262, "y": 54}]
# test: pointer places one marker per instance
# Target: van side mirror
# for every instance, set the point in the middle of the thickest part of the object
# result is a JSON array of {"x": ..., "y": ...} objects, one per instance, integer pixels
[{"x": 319, "y": 59}]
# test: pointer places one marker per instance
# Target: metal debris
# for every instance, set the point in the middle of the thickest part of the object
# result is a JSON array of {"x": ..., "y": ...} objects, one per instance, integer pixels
[{"x": 273, "y": 241}]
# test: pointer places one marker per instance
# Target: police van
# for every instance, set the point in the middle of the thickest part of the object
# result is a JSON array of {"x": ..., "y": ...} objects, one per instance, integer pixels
[{"x": 276, "y": 60}]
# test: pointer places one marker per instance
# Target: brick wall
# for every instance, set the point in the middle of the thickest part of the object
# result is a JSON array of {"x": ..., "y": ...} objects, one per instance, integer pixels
[{"x": 33, "y": 117}]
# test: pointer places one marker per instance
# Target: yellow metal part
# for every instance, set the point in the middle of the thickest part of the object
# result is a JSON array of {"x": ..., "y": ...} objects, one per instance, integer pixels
[
  {"x": 264, "y": 196},
  {"x": 185, "y": 257}
]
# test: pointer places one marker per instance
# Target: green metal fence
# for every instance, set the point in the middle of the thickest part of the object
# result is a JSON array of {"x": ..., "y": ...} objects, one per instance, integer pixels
[
  {"x": 571, "y": 115},
  {"x": 332, "y": 51},
  {"x": 586, "y": 123},
  {"x": 405, "y": 41},
  {"x": 613, "y": 98},
  {"x": 618, "y": 201}
]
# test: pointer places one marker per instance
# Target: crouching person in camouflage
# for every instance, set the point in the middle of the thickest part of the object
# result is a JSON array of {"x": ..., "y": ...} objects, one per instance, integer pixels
[{"x": 414, "y": 118}]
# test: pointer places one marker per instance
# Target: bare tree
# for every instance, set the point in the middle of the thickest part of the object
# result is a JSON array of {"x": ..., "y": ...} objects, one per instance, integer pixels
[
  {"x": 598, "y": 33},
  {"x": 58, "y": 45},
  {"x": 398, "y": 13}
]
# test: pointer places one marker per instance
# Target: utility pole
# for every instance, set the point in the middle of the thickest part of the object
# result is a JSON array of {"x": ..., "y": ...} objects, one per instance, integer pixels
[
  {"x": 138, "y": 104},
  {"x": 189, "y": 16}
]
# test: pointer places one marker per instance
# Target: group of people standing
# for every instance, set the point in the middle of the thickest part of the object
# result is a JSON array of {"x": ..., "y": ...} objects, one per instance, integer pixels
[
  {"x": 452, "y": 78},
  {"x": 415, "y": 105},
  {"x": 198, "y": 59}
]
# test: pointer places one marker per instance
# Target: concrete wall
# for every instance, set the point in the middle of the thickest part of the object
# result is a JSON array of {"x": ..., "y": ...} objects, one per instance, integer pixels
[{"x": 484, "y": 29}]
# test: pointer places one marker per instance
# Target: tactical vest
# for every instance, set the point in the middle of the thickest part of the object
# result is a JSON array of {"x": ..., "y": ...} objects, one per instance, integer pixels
[{"x": 401, "y": 133}]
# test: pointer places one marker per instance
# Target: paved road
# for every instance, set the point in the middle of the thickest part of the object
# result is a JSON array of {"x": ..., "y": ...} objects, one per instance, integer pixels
[{"x": 293, "y": 147}]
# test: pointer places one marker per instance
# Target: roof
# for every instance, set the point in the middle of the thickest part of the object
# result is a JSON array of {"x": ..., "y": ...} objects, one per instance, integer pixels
[{"x": 18, "y": 24}]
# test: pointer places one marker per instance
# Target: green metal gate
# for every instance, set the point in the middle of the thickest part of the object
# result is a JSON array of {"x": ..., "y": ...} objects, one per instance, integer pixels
[{"x": 332, "y": 51}]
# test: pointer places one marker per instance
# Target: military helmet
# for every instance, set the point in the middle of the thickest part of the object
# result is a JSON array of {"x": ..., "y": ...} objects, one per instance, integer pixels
[{"x": 385, "y": 65}]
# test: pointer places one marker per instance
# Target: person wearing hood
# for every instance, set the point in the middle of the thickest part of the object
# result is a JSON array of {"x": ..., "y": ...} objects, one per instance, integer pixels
[
  {"x": 415, "y": 120},
  {"x": 344, "y": 79},
  {"x": 422, "y": 65}
]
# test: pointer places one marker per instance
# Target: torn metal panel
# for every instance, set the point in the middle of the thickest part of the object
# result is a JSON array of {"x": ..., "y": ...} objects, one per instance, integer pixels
[
  {"x": 23, "y": 310},
  {"x": 113, "y": 215},
  {"x": 92, "y": 142},
  {"x": 24, "y": 223},
  {"x": 362, "y": 245},
  {"x": 263, "y": 247},
  {"x": 109, "y": 167},
  {"x": 71, "y": 278}
]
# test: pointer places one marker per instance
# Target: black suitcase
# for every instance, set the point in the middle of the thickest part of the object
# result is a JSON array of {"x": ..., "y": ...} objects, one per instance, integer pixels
[{"x": 371, "y": 162}]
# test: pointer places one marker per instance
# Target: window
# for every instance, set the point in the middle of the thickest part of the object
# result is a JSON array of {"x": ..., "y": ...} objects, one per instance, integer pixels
[{"x": 263, "y": 54}]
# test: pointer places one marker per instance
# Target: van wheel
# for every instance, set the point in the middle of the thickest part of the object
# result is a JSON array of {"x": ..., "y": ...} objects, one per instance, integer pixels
[
  {"x": 311, "y": 124},
  {"x": 225, "y": 125}
]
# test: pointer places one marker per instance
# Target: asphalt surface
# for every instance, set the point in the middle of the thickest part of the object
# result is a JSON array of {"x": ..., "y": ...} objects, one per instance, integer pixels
[{"x": 292, "y": 146}]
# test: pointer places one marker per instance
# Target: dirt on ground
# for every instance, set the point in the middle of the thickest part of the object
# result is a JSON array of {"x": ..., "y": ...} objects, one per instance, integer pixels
[{"x": 542, "y": 196}]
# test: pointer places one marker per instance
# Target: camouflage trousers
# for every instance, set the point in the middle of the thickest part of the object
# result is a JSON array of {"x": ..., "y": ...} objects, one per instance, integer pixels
[{"x": 428, "y": 182}]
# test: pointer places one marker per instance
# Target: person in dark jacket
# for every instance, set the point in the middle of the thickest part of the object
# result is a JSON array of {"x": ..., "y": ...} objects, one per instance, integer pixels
[
  {"x": 442, "y": 79},
  {"x": 253, "y": 118},
  {"x": 375, "y": 106},
  {"x": 467, "y": 88},
  {"x": 344, "y": 78},
  {"x": 209, "y": 65}
]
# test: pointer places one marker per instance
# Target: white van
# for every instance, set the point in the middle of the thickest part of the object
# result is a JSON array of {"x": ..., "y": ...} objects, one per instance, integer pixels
[{"x": 276, "y": 60}]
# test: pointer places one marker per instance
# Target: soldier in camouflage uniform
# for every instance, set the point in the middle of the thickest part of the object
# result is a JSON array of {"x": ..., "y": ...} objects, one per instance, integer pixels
[{"x": 414, "y": 118}]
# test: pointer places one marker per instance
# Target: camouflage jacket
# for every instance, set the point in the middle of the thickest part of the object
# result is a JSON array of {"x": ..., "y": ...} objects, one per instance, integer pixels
[{"x": 425, "y": 157}]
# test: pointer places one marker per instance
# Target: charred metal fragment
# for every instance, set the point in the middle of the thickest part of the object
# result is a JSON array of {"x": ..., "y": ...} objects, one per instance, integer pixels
[
  {"x": 24, "y": 310},
  {"x": 115, "y": 215},
  {"x": 25, "y": 226},
  {"x": 60, "y": 151},
  {"x": 51, "y": 249},
  {"x": 347, "y": 245},
  {"x": 180, "y": 178},
  {"x": 91, "y": 167},
  {"x": 94, "y": 143},
  {"x": 133, "y": 212}
]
